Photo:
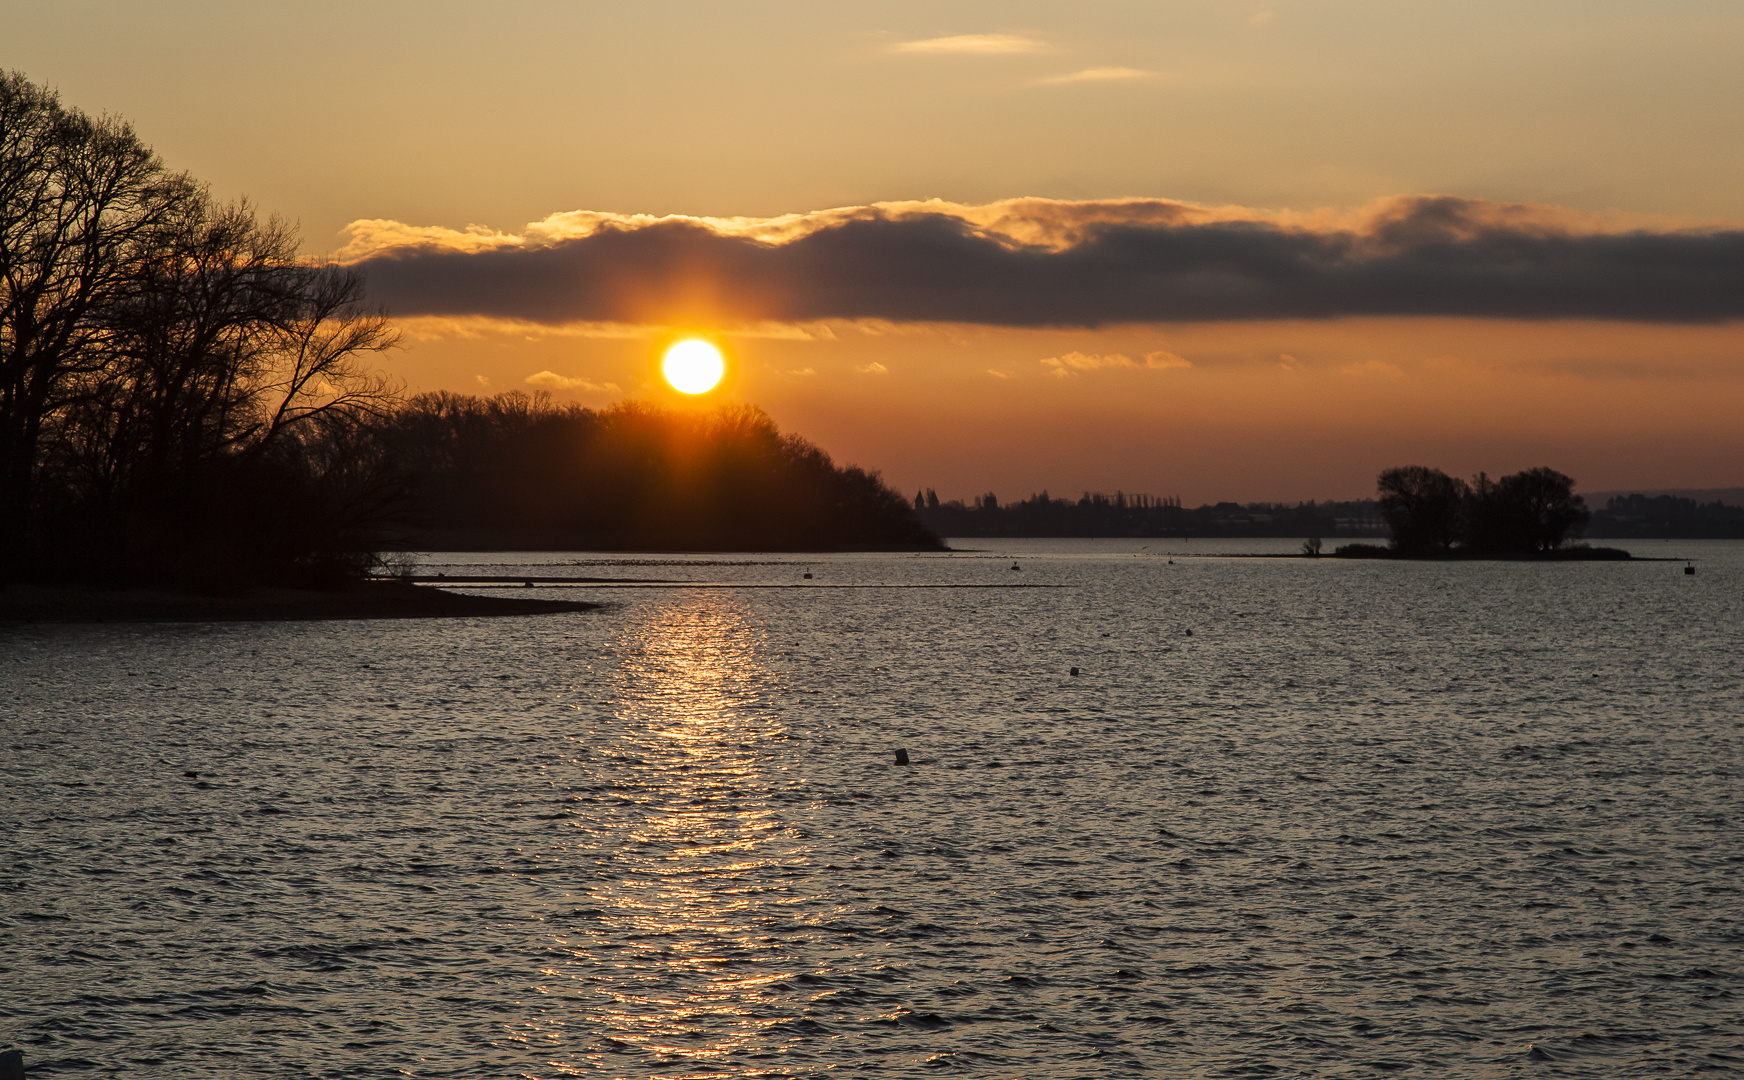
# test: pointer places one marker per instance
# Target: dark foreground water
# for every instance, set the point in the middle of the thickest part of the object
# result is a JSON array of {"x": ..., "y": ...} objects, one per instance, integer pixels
[{"x": 1293, "y": 818}]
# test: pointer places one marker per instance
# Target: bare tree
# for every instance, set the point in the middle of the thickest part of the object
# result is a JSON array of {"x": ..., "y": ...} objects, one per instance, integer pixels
[
  {"x": 77, "y": 198},
  {"x": 1534, "y": 510},
  {"x": 1422, "y": 507},
  {"x": 315, "y": 365},
  {"x": 168, "y": 366}
]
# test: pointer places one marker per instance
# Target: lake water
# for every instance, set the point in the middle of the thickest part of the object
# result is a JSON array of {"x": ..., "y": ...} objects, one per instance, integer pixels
[{"x": 1293, "y": 818}]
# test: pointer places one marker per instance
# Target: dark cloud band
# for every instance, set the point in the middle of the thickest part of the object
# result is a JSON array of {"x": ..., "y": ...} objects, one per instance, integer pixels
[{"x": 1429, "y": 257}]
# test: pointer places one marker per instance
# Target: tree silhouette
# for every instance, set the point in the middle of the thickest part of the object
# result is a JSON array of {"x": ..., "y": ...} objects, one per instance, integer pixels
[
  {"x": 1422, "y": 507},
  {"x": 173, "y": 378},
  {"x": 1534, "y": 510},
  {"x": 80, "y": 200}
]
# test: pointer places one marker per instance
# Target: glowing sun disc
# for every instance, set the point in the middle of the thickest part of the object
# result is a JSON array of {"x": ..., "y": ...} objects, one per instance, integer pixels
[{"x": 693, "y": 367}]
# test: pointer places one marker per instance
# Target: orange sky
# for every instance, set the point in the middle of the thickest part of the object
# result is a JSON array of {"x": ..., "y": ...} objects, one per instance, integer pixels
[
  {"x": 1265, "y": 411},
  {"x": 466, "y": 120}
]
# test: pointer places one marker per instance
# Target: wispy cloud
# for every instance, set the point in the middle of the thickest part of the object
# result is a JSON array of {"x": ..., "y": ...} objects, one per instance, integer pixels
[
  {"x": 1065, "y": 366},
  {"x": 974, "y": 45},
  {"x": 1099, "y": 74},
  {"x": 550, "y": 380},
  {"x": 874, "y": 368},
  {"x": 1260, "y": 19},
  {"x": 1040, "y": 262},
  {"x": 1073, "y": 362}
]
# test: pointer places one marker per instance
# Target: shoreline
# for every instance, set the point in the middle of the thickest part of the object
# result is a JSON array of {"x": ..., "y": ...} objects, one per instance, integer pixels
[{"x": 46, "y": 604}]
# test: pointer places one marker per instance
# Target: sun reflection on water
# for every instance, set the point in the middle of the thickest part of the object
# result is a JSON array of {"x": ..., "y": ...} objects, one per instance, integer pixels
[{"x": 691, "y": 974}]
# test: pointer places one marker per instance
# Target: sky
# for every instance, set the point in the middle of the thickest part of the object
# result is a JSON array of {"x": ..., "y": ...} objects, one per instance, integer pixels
[{"x": 1214, "y": 249}]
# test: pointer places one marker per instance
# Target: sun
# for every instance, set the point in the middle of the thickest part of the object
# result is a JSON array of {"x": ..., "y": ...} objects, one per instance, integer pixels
[{"x": 693, "y": 367}]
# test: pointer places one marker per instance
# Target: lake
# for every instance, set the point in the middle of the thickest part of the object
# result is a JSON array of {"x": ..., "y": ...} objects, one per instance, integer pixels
[{"x": 1292, "y": 818}]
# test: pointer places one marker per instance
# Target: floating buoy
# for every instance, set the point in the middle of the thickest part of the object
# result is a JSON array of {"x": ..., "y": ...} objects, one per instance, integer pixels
[
  {"x": 526, "y": 584},
  {"x": 1189, "y": 633},
  {"x": 1689, "y": 570},
  {"x": 902, "y": 757},
  {"x": 1074, "y": 671},
  {"x": 808, "y": 575},
  {"x": 1014, "y": 566}
]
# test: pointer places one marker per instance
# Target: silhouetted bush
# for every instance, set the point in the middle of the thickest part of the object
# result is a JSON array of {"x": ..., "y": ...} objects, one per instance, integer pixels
[{"x": 1365, "y": 551}]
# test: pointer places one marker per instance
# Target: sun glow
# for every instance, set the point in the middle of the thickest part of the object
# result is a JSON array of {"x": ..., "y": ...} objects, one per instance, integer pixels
[{"x": 693, "y": 367}]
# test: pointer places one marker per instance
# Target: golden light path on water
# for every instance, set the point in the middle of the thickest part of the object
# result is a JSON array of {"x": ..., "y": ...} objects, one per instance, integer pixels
[{"x": 696, "y": 856}]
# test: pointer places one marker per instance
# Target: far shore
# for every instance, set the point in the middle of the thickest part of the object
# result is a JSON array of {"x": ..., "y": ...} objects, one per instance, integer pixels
[{"x": 372, "y": 600}]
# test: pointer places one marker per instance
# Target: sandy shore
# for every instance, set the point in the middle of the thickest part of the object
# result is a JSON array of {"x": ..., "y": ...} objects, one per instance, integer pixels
[{"x": 376, "y": 600}]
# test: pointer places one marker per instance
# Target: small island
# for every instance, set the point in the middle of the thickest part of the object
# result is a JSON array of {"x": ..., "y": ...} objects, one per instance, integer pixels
[{"x": 1528, "y": 515}]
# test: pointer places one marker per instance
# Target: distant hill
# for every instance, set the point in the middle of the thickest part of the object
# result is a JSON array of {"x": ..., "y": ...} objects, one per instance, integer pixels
[{"x": 1732, "y": 496}]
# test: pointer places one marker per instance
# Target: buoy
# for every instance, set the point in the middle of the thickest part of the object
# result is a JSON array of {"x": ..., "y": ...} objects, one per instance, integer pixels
[
  {"x": 808, "y": 576},
  {"x": 1014, "y": 566},
  {"x": 902, "y": 757},
  {"x": 526, "y": 584},
  {"x": 1189, "y": 633},
  {"x": 1689, "y": 570},
  {"x": 12, "y": 1065}
]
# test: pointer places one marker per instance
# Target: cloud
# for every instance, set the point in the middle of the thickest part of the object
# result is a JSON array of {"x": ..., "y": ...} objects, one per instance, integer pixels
[
  {"x": 1260, "y": 19},
  {"x": 550, "y": 380},
  {"x": 973, "y": 45},
  {"x": 370, "y": 235},
  {"x": 1065, "y": 366},
  {"x": 1101, "y": 74},
  {"x": 874, "y": 368},
  {"x": 1041, "y": 262}
]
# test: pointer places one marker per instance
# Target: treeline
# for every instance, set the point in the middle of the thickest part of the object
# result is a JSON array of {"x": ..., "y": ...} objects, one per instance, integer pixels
[
  {"x": 1122, "y": 515},
  {"x": 184, "y": 400},
  {"x": 181, "y": 397},
  {"x": 1640, "y": 517},
  {"x": 519, "y": 471},
  {"x": 1431, "y": 514}
]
